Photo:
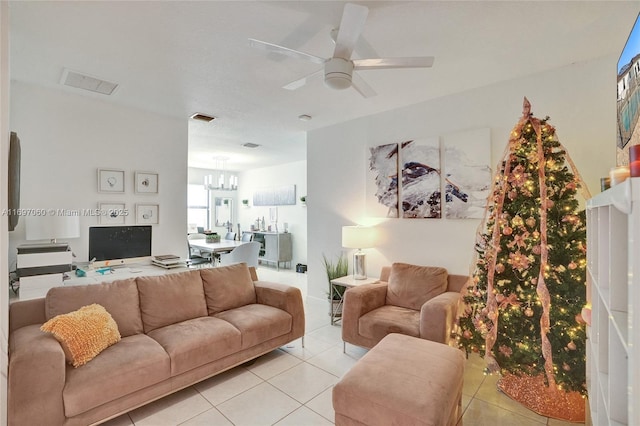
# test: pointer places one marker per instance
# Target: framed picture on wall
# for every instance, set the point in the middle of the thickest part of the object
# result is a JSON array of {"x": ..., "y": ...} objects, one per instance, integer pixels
[
  {"x": 145, "y": 182},
  {"x": 111, "y": 180},
  {"x": 147, "y": 214},
  {"x": 112, "y": 213}
]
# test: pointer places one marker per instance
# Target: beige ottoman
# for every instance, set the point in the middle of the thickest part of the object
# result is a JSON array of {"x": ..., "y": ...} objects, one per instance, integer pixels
[{"x": 404, "y": 381}]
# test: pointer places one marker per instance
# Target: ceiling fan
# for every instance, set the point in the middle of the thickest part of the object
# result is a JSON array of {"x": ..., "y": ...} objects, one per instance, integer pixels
[{"x": 338, "y": 70}]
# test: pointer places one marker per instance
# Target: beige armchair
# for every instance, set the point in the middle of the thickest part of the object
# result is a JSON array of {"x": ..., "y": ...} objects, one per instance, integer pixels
[{"x": 419, "y": 301}]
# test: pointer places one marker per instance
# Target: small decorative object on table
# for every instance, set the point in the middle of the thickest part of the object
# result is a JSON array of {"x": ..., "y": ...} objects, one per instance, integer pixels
[
  {"x": 618, "y": 174},
  {"x": 634, "y": 160},
  {"x": 213, "y": 238}
]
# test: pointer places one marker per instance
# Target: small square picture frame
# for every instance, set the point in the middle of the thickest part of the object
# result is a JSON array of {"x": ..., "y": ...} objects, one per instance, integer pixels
[
  {"x": 111, "y": 181},
  {"x": 145, "y": 182},
  {"x": 112, "y": 213},
  {"x": 147, "y": 214}
]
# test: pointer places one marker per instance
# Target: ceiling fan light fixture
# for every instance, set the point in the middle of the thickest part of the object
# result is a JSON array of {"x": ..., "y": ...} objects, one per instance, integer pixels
[{"x": 337, "y": 73}]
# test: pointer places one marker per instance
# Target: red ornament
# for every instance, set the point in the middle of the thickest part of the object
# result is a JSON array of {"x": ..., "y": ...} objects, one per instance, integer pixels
[{"x": 507, "y": 230}]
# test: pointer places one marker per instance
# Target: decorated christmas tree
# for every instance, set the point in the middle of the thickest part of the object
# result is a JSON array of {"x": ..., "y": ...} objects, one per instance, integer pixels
[{"x": 523, "y": 308}]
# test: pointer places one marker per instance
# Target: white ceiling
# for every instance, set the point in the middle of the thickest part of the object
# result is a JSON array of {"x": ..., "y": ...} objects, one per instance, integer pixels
[{"x": 179, "y": 57}]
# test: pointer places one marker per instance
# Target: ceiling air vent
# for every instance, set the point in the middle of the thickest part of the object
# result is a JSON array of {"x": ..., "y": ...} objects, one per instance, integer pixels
[
  {"x": 86, "y": 82},
  {"x": 250, "y": 145},
  {"x": 202, "y": 117}
]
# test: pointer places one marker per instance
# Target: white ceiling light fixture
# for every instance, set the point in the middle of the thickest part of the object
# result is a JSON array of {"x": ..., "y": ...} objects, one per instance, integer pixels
[
  {"x": 220, "y": 179},
  {"x": 304, "y": 117}
]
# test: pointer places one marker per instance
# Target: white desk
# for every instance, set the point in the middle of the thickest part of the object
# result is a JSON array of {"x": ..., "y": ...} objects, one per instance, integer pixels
[
  {"x": 120, "y": 273},
  {"x": 219, "y": 247},
  {"x": 94, "y": 277}
]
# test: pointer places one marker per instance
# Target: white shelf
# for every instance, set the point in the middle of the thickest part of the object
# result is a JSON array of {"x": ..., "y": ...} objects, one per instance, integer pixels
[{"x": 613, "y": 273}]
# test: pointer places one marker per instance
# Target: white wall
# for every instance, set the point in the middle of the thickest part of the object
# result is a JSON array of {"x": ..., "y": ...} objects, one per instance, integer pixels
[
  {"x": 65, "y": 137},
  {"x": 580, "y": 99},
  {"x": 295, "y": 215},
  {"x": 4, "y": 155}
]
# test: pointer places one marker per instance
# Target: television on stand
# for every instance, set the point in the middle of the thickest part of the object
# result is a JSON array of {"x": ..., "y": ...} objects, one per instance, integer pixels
[{"x": 119, "y": 245}]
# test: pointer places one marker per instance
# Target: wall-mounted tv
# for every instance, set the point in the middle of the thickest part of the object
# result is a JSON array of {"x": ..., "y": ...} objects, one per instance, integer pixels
[
  {"x": 14, "y": 180},
  {"x": 628, "y": 91},
  {"x": 119, "y": 245}
]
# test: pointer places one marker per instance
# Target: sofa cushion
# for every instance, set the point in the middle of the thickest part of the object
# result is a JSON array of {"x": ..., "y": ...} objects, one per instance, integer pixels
[
  {"x": 119, "y": 298},
  {"x": 258, "y": 323},
  {"x": 84, "y": 333},
  {"x": 228, "y": 287},
  {"x": 198, "y": 341},
  {"x": 171, "y": 298},
  {"x": 389, "y": 319},
  {"x": 410, "y": 286},
  {"x": 134, "y": 363}
]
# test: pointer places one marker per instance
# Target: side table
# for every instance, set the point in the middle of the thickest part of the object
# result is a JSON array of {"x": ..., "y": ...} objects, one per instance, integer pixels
[{"x": 348, "y": 282}]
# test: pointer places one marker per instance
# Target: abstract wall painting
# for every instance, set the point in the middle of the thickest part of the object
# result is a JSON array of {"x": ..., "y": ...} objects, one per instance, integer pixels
[
  {"x": 276, "y": 196},
  {"x": 467, "y": 173},
  {"x": 382, "y": 181},
  {"x": 420, "y": 191}
]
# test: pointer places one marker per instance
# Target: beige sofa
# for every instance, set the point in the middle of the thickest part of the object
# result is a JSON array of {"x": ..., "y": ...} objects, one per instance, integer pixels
[
  {"x": 177, "y": 329},
  {"x": 418, "y": 301}
]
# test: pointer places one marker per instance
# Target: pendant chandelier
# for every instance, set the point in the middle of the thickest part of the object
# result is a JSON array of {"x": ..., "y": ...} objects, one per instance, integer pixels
[{"x": 220, "y": 179}]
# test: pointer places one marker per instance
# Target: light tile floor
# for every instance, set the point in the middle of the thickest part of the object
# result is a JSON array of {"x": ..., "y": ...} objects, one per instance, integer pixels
[{"x": 292, "y": 385}]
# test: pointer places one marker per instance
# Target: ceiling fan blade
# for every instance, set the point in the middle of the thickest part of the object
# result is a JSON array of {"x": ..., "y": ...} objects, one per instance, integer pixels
[
  {"x": 270, "y": 47},
  {"x": 387, "y": 63},
  {"x": 362, "y": 86},
  {"x": 304, "y": 80},
  {"x": 351, "y": 26}
]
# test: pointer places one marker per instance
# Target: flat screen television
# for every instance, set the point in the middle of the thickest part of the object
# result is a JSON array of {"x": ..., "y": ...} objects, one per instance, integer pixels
[
  {"x": 628, "y": 99},
  {"x": 119, "y": 245}
]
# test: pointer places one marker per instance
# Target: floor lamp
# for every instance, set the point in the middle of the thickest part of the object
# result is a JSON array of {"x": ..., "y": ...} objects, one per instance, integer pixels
[{"x": 358, "y": 237}]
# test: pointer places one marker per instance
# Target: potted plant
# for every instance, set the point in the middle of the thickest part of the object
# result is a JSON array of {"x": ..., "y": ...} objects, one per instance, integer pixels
[
  {"x": 245, "y": 203},
  {"x": 303, "y": 200},
  {"x": 337, "y": 269}
]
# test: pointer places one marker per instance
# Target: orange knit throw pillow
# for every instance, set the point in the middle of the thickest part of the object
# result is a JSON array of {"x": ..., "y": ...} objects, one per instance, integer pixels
[{"x": 84, "y": 333}]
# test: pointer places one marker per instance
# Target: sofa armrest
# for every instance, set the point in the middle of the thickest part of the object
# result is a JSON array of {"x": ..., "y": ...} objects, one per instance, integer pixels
[
  {"x": 26, "y": 312},
  {"x": 285, "y": 297},
  {"x": 357, "y": 302},
  {"x": 37, "y": 370},
  {"x": 438, "y": 317}
]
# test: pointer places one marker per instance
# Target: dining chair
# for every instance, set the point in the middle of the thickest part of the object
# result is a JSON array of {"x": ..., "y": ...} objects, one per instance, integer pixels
[
  {"x": 197, "y": 256},
  {"x": 247, "y": 253},
  {"x": 247, "y": 236},
  {"x": 230, "y": 236}
]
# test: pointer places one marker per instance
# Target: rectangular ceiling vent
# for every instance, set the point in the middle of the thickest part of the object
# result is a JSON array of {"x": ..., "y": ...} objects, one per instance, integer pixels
[
  {"x": 202, "y": 117},
  {"x": 86, "y": 82},
  {"x": 250, "y": 145}
]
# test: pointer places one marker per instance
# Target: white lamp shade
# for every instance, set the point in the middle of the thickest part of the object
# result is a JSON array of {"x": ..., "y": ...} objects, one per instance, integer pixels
[
  {"x": 52, "y": 227},
  {"x": 358, "y": 237}
]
